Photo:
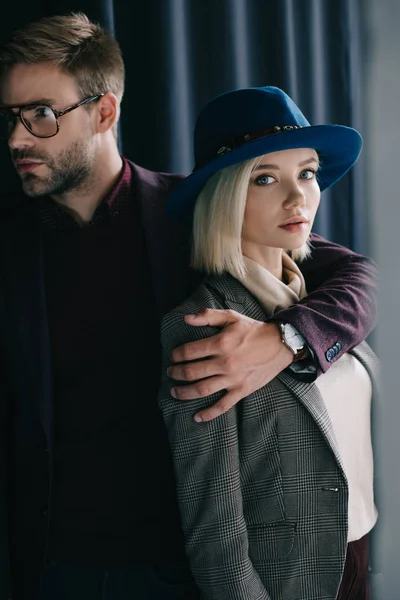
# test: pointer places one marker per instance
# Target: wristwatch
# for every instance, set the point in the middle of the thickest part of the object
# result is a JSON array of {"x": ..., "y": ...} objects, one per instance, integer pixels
[{"x": 293, "y": 340}]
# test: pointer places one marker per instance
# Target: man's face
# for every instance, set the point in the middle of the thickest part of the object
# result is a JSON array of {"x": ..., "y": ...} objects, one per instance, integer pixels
[{"x": 56, "y": 165}]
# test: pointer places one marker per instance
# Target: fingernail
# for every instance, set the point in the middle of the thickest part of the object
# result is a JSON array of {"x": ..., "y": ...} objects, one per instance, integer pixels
[
  {"x": 168, "y": 372},
  {"x": 198, "y": 419},
  {"x": 191, "y": 316},
  {"x": 173, "y": 393}
]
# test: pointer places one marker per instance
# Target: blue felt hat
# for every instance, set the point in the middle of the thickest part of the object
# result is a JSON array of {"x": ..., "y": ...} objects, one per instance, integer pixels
[{"x": 250, "y": 122}]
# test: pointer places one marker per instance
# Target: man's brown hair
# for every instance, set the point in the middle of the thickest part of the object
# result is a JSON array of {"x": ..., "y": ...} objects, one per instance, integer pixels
[{"x": 75, "y": 45}]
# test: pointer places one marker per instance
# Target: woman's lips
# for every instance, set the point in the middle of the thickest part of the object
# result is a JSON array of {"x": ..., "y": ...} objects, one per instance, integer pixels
[{"x": 294, "y": 227}]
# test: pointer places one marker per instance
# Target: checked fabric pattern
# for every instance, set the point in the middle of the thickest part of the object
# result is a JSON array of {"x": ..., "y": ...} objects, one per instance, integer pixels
[{"x": 261, "y": 489}]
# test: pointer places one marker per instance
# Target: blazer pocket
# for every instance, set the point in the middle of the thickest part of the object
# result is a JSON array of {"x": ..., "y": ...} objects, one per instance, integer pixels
[{"x": 272, "y": 541}]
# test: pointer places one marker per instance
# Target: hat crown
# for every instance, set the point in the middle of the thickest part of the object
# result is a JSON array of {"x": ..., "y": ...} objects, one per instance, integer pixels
[{"x": 242, "y": 112}]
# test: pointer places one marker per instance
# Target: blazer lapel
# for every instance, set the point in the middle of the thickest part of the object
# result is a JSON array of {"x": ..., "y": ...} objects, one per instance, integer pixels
[
  {"x": 310, "y": 397},
  {"x": 25, "y": 299},
  {"x": 370, "y": 361}
]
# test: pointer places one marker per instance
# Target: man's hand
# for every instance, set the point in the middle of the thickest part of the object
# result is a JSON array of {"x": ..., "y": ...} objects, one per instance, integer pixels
[{"x": 243, "y": 357}]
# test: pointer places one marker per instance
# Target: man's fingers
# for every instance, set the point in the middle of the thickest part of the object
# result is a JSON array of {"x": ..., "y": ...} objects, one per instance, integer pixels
[
  {"x": 220, "y": 343},
  {"x": 200, "y": 389},
  {"x": 198, "y": 349},
  {"x": 213, "y": 316},
  {"x": 193, "y": 371},
  {"x": 219, "y": 408}
]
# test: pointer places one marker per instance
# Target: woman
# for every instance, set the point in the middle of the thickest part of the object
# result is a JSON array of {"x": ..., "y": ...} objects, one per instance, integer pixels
[{"x": 276, "y": 495}]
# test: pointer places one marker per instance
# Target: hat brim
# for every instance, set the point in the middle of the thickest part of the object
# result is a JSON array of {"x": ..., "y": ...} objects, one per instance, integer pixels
[{"x": 338, "y": 148}]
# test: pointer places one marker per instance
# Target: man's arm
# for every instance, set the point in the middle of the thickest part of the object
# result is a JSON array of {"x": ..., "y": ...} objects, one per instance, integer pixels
[{"x": 339, "y": 309}]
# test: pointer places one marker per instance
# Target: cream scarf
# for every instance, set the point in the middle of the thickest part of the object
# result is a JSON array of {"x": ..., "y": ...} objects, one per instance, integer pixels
[{"x": 272, "y": 293}]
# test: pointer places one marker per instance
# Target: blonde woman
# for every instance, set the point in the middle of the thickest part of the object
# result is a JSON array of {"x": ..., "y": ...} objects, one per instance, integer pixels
[{"x": 276, "y": 495}]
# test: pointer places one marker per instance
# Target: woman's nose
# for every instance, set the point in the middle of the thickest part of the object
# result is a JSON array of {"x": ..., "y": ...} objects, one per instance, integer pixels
[{"x": 295, "y": 197}]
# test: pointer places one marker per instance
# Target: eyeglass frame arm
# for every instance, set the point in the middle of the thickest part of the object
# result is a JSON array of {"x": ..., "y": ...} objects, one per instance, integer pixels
[{"x": 57, "y": 113}]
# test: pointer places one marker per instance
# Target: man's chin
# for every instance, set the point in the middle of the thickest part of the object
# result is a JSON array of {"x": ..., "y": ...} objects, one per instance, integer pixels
[{"x": 34, "y": 189}]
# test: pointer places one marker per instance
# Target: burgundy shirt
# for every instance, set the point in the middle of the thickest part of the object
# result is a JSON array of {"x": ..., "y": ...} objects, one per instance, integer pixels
[
  {"x": 53, "y": 216},
  {"x": 104, "y": 338}
]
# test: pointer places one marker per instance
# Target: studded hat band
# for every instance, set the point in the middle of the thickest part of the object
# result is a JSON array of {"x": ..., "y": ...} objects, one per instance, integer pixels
[{"x": 239, "y": 140}]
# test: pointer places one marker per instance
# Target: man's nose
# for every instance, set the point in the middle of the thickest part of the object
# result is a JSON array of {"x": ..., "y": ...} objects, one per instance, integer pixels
[{"x": 20, "y": 137}]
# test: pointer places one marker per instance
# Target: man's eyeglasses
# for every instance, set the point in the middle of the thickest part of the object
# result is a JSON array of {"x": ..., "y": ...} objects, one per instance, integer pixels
[{"x": 41, "y": 120}]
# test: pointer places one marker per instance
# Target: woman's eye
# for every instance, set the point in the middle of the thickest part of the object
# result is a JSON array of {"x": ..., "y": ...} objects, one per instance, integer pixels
[
  {"x": 307, "y": 174},
  {"x": 264, "y": 180}
]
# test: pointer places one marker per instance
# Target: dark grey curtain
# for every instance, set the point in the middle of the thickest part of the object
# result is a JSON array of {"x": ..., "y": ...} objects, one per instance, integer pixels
[{"x": 180, "y": 53}]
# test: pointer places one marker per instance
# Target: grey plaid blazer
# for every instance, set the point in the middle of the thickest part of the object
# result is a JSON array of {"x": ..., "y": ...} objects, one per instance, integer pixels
[{"x": 261, "y": 489}]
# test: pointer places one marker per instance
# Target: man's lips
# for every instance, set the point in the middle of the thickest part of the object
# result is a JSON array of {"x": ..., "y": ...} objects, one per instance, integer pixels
[{"x": 26, "y": 165}]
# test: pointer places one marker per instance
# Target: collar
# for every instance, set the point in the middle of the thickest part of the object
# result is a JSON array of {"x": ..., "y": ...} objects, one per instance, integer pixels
[
  {"x": 273, "y": 294},
  {"x": 54, "y": 216}
]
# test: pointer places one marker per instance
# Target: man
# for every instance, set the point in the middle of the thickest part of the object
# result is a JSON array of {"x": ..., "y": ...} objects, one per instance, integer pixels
[{"x": 87, "y": 488}]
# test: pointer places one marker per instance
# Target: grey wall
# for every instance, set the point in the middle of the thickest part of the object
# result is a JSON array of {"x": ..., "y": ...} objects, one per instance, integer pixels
[{"x": 382, "y": 155}]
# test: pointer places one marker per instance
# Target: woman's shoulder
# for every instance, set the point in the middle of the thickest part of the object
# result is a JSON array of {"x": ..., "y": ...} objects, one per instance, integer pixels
[{"x": 215, "y": 291}]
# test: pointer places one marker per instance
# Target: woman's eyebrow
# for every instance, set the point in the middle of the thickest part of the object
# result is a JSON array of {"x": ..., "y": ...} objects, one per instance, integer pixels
[
  {"x": 308, "y": 161},
  {"x": 276, "y": 167}
]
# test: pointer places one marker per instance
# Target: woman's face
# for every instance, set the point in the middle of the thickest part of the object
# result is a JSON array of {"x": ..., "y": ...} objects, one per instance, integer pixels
[{"x": 282, "y": 200}]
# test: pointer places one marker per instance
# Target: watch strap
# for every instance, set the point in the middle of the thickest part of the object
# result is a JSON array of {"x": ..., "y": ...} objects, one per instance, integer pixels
[
  {"x": 298, "y": 353},
  {"x": 302, "y": 354}
]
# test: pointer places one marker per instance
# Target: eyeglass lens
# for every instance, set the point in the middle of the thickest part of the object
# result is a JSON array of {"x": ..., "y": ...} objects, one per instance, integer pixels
[{"x": 39, "y": 120}]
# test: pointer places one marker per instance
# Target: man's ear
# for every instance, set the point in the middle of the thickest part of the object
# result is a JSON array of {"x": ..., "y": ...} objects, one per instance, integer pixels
[{"x": 107, "y": 112}]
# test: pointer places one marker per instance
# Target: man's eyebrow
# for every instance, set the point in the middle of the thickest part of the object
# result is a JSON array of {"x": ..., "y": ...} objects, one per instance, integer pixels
[
  {"x": 37, "y": 101},
  {"x": 303, "y": 163}
]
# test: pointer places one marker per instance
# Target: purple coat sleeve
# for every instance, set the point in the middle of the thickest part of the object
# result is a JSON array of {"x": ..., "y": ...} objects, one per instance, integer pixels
[{"x": 340, "y": 309}]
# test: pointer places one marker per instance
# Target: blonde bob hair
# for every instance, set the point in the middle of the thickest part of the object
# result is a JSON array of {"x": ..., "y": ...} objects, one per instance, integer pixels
[{"x": 218, "y": 222}]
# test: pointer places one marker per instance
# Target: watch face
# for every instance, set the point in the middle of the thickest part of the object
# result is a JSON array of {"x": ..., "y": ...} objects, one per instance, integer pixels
[{"x": 292, "y": 337}]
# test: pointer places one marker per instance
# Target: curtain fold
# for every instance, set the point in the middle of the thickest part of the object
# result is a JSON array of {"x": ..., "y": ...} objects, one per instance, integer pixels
[{"x": 180, "y": 53}]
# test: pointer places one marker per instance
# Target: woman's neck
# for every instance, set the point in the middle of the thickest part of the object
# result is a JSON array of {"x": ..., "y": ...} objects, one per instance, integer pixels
[{"x": 269, "y": 258}]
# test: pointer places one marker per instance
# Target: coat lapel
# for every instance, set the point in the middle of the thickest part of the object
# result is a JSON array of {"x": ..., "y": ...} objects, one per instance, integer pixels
[
  {"x": 25, "y": 305},
  {"x": 166, "y": 242}
]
